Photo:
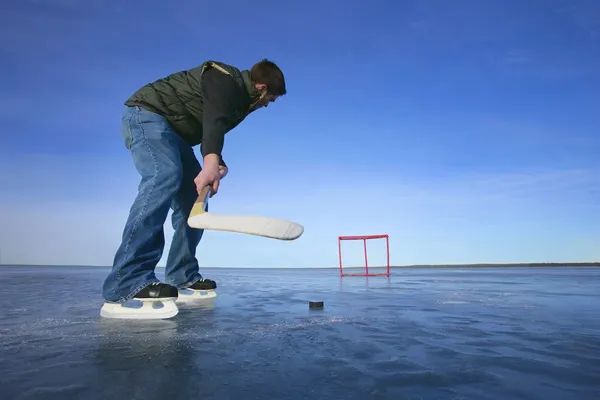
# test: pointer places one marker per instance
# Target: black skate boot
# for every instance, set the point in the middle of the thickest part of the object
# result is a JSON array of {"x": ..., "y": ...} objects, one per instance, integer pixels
[
  {"x": 202, "y": 289},
  {"x": 154, "y": 294},
  {"x": 157, "y": 291},
  {"x": 204, "y": 284}
]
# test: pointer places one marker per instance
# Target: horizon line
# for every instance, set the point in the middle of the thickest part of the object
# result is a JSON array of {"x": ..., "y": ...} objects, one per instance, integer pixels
[{"x": 450, "y": 265}]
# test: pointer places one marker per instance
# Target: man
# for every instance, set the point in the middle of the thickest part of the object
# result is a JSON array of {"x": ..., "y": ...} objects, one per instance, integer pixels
[{"x": 161, "y": 123}]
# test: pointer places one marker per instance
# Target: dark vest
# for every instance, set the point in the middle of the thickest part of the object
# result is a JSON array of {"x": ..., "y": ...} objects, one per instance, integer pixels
[{"x": 178, "y": 98}]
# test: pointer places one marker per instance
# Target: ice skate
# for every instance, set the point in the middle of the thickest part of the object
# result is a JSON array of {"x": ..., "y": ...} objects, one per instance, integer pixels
[
  {"x": 157, "y": 294},
  {"x": 202, "y": 290}
]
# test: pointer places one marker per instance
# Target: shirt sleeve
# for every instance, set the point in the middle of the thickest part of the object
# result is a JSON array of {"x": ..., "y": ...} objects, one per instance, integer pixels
[{"x": 218, "y": 91}]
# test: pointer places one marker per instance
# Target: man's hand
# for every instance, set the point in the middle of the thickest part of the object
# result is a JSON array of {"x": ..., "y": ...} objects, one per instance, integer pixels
[{"x": 210, "y": 175}]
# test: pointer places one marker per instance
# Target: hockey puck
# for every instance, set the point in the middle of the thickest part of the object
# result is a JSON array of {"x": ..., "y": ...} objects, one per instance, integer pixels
[{"x": 315, "y": 304}]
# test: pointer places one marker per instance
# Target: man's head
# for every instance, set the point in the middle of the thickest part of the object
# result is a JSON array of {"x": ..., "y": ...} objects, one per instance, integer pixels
[{"x": 269, "y": 81}]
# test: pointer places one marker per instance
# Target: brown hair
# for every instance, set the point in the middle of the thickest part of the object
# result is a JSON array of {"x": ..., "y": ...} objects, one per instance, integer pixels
[{"x": 268, "y": 73}]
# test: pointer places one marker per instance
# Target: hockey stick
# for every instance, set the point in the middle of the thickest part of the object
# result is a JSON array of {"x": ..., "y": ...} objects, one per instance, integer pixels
[{"x": 274, "y": 228}]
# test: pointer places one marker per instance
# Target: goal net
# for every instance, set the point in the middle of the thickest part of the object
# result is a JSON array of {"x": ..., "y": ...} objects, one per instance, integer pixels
[{"x": 366, "y": 255}]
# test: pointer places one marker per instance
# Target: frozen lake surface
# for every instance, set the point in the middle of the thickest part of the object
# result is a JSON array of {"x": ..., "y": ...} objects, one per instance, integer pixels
[{"x": 479, "y": 333}]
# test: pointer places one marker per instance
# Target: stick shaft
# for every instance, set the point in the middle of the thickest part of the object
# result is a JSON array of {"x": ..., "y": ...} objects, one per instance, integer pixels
[{"x": 201, "y": 202}]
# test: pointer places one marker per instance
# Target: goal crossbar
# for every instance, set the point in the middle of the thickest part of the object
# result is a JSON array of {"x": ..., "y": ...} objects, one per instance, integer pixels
[{"x": 364, "y": 238}]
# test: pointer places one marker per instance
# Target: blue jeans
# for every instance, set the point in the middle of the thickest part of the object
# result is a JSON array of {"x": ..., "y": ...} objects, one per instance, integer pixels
[{"x": 168, "y": 166}]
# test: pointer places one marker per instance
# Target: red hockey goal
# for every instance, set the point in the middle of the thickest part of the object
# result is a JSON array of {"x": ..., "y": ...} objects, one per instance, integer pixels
[{"x": 364, "y": 238}]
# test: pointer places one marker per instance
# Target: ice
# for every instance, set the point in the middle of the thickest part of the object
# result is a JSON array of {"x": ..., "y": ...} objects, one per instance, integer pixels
[{"x": 470, "y": 333}]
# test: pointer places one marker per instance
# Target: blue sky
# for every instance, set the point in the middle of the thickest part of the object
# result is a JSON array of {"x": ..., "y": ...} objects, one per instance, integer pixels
[{"x": 466, "y": 130}]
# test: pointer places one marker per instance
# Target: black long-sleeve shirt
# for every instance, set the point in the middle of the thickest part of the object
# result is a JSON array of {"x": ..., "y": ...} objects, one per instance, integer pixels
[{"x": 224, "y": 103}]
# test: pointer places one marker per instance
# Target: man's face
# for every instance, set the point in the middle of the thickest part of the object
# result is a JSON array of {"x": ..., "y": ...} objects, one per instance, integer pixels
[
  {"x": 264, "y": 102},
  {"x": 265, "y": 99}
]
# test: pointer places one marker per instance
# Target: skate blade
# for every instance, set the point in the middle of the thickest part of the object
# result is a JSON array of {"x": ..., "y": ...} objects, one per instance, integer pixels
[
  {"x": 146, "y": 311},
  {"x": 192, "y": 295}
]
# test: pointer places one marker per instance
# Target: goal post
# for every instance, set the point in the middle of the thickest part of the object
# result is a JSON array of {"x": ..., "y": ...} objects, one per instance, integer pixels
[{"x": 364, "y": 239}]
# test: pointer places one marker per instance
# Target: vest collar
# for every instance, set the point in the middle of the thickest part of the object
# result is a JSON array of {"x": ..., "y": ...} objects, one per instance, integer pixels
[{"x": 253, "y": 92}]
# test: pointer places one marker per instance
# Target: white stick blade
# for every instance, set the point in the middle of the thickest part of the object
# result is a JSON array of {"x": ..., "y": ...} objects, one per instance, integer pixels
[{"x": 274, "y": 228}]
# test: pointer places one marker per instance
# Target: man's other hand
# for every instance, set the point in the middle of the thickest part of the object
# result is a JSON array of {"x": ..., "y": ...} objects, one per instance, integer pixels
[{"x": 223, "y": 171}]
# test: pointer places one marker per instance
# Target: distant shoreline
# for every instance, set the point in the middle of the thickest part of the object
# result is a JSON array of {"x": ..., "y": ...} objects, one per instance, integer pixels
[
  {"x": 477, "y": 265},
  {"x": 501, "y": 265}
]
